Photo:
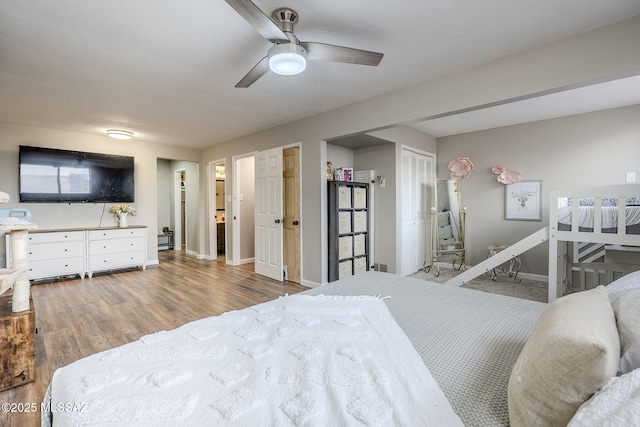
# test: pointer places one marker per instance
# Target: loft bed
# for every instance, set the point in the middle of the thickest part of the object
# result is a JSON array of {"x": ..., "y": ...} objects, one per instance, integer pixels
[
  {"x": 584, "y": 223},
  {"x": 375, "y": 349}
]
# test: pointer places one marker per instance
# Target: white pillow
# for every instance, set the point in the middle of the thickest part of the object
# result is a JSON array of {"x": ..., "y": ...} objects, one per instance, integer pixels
[
  {"x": 616, "y": 404},
  {"x": 571, "y": 353},
  {"x": 624, "y": 295}
]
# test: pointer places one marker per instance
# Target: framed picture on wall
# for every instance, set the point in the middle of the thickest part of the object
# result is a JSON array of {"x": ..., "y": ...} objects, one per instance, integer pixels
[{"x": 523, "y": 201}]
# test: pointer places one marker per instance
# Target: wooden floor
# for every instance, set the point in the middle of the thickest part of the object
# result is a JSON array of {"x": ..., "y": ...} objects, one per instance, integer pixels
[{"x": 79, "y": 317}]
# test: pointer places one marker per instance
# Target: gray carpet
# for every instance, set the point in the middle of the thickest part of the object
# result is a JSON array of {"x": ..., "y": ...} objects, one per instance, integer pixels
[{"x": 504, "y": 285}]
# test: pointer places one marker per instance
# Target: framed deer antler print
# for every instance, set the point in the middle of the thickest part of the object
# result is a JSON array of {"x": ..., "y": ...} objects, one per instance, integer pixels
[{"x": 523, "y": 201}]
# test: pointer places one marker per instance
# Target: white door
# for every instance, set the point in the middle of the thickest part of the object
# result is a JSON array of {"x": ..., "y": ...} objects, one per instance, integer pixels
[
  {"x": 268, "y": 254},
  {"x": 417, "y": 187}
]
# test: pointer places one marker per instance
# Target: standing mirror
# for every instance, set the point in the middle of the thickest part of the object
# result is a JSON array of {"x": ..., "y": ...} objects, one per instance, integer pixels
[{"x": 447, "y": 226}]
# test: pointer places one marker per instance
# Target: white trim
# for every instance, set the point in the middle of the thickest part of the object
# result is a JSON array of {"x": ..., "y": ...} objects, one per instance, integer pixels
[{"x": 310, "y": 284}]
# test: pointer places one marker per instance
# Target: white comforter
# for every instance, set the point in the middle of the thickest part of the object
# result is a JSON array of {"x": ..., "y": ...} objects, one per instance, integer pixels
[{"x": 298, "y": 360}]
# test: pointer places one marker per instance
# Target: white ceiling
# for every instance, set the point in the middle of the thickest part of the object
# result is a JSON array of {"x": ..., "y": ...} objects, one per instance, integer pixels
[{"x": 166, "y": 70}]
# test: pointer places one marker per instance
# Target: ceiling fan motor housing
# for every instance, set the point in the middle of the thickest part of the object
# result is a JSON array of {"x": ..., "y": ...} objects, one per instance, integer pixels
[{"x": 285, "y": 18}]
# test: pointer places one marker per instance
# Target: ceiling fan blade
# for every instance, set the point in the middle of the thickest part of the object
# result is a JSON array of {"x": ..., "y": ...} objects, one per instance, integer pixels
[
  {"x": 333, "y": 53},
  {"x": 261, "y": 22},
  {"x": 259, "y": 70}
]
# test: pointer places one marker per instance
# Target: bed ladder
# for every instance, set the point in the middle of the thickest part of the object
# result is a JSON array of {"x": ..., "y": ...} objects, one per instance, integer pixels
[{"x": 501, "y": 257}]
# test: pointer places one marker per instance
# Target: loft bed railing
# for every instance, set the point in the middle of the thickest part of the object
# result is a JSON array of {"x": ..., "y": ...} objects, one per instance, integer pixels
[{"x": 561, "y": 264}]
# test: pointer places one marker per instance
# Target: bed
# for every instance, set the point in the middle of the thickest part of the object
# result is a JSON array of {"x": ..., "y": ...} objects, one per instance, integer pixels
[
  {"x": 583, "y": 223},
  {"x": 458, "y": 367}
]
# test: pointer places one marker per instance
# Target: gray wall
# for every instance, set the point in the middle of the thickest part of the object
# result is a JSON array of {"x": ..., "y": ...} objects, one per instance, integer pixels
[
  {"x": 192, "y": 198},
  {"x": 381, "y": 158},
  {"x": 579, "y": 151},
  {"x": 593, "y": 56},
  {"x": 588, "y": 57},
  {"x": 65, "y": 215},
  {"x": 165, "y": 194}
]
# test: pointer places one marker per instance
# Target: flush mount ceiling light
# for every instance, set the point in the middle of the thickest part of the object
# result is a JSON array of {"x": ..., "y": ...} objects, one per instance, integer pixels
[
  {"x": 287, "y": 59},
  {"x": 119, "y": 134}
]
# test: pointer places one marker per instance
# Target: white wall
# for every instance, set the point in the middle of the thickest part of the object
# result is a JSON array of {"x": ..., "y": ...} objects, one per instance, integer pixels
[{"x": 567, "y": 153}]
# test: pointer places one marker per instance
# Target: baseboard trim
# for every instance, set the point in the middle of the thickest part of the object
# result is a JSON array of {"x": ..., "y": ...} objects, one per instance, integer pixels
[
  {"x": 528, "y": 276},
  {"x": 309, "y": 283}
]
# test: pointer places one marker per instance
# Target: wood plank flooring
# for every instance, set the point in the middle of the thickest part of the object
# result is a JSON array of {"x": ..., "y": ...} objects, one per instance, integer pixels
[{"x": 79, "y": 317}]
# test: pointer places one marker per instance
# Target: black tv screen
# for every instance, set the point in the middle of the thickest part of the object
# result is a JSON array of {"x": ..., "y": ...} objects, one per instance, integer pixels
[{"x": 51, "y": 175}]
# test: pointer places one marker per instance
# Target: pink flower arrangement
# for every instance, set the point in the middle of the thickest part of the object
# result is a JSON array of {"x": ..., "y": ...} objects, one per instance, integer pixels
[
  {"x": 460, "y": 168},
  {"x": 506, "y": 175}
]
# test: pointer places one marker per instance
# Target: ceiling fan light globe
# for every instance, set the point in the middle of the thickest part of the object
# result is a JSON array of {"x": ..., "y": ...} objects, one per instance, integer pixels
[{"x": 287, "y": 59}]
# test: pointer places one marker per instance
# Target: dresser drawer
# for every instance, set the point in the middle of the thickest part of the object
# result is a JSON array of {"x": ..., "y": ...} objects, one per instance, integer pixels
[
  {"x": 55, "y": 250},
  {"x": 116, "y": 245},
  {"x": 56, "y": 236},
  {"x": 117, "y": 260},
  {"x": 56, "y": 267},
  {"x": 116, "y": 233}
]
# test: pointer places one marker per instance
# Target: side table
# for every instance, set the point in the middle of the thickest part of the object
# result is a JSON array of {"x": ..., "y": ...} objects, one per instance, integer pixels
[{"x": 514, "y": 264}]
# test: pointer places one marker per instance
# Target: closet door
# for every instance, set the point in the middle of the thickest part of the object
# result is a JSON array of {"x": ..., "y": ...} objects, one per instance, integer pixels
[{"x": 418, "y": 175}]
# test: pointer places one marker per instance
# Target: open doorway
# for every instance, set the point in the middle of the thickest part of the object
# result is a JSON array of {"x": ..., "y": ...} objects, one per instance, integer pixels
[
  {"x": 245, "y": 221},
  {"x": 244, "y": 209},
  {"x": 217, "y": 208},
  {"x": 177, "y": 205}
]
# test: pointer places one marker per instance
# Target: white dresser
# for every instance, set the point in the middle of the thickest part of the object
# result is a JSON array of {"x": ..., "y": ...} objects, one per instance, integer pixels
[
  {"x": 84, "y": 251},
  {"x": 57, "y": 253},
  {"x": 114, "y": 248}
]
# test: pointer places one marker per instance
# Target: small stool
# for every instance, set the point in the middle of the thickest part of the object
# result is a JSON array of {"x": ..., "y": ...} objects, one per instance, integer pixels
[{"x": 514, "y": 264}]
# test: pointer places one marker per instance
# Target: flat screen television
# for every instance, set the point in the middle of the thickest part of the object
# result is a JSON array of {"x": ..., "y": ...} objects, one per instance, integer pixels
[{"x": 51, "y": 175}]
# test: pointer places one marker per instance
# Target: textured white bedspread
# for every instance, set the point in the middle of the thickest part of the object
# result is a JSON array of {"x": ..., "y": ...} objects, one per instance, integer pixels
[{"x": 299, "y": 360}]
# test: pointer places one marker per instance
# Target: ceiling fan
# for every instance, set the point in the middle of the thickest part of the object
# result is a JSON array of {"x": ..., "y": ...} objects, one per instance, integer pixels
[{"x": 288, "y": 55}]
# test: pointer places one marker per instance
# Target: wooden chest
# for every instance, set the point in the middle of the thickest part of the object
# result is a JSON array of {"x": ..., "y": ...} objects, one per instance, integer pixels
[{"x": 17, "y": 345}]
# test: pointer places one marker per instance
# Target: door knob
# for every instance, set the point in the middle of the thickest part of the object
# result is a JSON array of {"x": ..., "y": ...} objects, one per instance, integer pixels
[
  {"x": 277, "y": 221},
  {"x": 296, "y": 222}
]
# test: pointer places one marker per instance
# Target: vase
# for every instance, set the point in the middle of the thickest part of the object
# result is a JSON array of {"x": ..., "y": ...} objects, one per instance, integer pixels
[{"x": 122, "y": 220}]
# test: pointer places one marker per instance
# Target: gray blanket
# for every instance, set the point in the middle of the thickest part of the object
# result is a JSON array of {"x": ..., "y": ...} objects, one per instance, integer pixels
[{"x": 468, "y": 339}]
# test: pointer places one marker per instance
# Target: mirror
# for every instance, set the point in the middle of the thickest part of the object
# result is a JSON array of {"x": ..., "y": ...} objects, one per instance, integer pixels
[
  {"x": 447, "y": 225},
  {"x": 448, "y": 215}
]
